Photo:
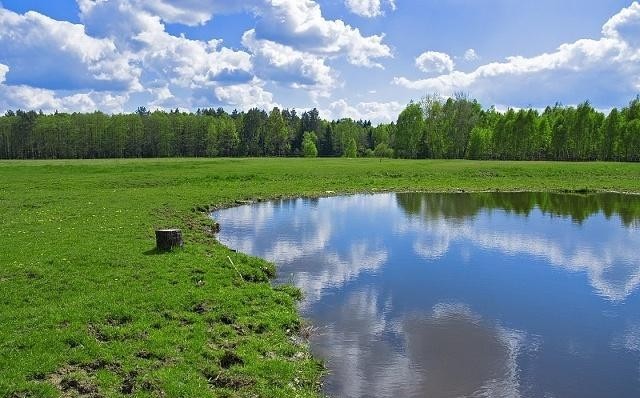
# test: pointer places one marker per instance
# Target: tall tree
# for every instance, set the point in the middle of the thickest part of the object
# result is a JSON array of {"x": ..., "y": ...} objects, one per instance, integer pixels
[
  {"x": 309, "y": 149},
  {"x": 409, "y": 131},
  {"x": 276, "y": 136},
  {"x": 251, "y": 133}
]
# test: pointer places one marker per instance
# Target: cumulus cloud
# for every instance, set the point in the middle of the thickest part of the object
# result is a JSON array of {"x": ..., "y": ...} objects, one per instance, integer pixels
[
  {"x": 290, "y": 45},
  {"x": 434, "y": 62},
  {"x": 246, "y": 96},
  {"x": 597, "y": 69},
  {"x": 376, "y": 112},
  {"x": 277, "y": 62},
  {"x": 191, "y": 12},
  {"x": 301, "y": 25},
  {"x": 122, "y": 47},
  {"x": 295, "y": 23},
  {"x": 3, "y": 72},
  {"x": 67, "y": 58},
  {"x": 368, "y": 8},
  {"x": 471, "y": 55},
  {"x": 187, "y": 12},
  {"x": 26, "y": 97},
  {"x": 182, "y": 61}
]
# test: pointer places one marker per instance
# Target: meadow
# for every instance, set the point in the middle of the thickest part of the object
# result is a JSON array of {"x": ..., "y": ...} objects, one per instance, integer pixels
[{"x": 89, "y": 308}]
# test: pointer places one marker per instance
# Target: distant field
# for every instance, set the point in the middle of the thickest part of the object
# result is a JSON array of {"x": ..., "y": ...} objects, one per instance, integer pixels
[{"x": 87, "y": 307}]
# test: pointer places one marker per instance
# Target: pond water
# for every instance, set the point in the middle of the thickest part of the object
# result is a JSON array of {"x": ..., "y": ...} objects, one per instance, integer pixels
[{"x": 460, "y": 295}]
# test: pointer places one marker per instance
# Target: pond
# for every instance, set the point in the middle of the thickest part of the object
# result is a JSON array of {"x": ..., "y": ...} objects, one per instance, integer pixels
[{"x": 460, "y": 295}]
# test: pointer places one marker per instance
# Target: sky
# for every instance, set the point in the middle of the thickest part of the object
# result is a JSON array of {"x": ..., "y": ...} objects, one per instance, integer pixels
[{"x": 364, "y": 59}]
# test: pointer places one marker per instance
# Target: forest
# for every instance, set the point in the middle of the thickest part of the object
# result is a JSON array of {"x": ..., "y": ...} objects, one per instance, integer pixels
[{"x": 436, "y": 128}]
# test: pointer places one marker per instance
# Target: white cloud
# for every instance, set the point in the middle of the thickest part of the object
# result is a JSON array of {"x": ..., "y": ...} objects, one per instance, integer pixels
[
  {"x": 365, "y": 8},
  {"x": 368, "y": 8},
  {"x": 3, "y": 72},
  {"x": 376, "y": 112},
  {"x": 625, "y": 26},
  {"x": 182, "y": 61},
  {"x": 471, "y": 55},
  {"x": 595, "y": 69},
  {"x": 246, "y": 96},
  {"x": 122, "y": 47},
  {"x": 434, "y": 62},
  {"x": 296, "y": 23},
  {"x": 300, "y": 24},
  {"x": 190, "y": 12},
  {"x": 30, "y": 98},
  {"x": 290, "y": 46},
  {"x": 277, "y": 62},
  {"x": 67, "y": 58},
  {"x": 191, "y": 63}
]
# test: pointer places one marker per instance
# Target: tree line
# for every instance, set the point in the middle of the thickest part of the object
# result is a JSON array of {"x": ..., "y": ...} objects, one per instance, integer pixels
[
  {"x": 453, "y": 128},
  {"x": 579, "y": 207}
]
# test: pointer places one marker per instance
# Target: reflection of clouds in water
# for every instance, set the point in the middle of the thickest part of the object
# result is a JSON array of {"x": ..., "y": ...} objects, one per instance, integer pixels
[
  {"x": 285, "y": 251},
  {"x": 463, "y": 355},
  {"x": 362, "y": 363},
  {"x": 613, "y": 267},
  {"x": 629, "y": 340},
  {"x": 256, "y": 216},
  {"x": 371, "y": 202},
  {"x": 298, "y": 239},
  {"x": 282, "y": 251},
  {"x": 509, "y": 385},
  {"x": 320, "y": 270},
  {"x": 449, "y": 353},
  {"x": 338, "y": 270}
]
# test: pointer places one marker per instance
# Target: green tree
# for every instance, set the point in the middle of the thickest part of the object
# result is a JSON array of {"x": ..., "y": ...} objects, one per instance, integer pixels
[
  {"x": 276, "y": 135},
  {"x": 251, "y": 133},
  {"x": 409, "y": 131},
  {"x": 611, "y": 132},
  {"x": 381, "y": 135},
  {"x": 223, "y": 137},
  {"x": 351, "y": 151},
  {"x": 480, "y": 143},
  {"x": 309, "y": 149}
]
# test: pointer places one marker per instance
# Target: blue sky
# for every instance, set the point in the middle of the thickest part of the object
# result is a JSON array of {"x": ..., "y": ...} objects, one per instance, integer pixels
[{"x": 349, "y": 58}]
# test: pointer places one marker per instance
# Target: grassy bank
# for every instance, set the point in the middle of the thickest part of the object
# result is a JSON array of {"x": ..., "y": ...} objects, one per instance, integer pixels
[{"x": 88, "y": 308}]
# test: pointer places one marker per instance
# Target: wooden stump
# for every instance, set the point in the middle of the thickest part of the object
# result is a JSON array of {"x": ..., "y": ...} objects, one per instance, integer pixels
[{"x": 167, "y": 239}]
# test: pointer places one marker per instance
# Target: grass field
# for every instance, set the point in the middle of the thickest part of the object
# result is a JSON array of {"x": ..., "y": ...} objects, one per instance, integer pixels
[{"x": 87, "y": 308}]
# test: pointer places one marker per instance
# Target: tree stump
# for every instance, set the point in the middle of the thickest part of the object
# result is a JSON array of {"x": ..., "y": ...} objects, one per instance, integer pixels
[{"x": 167, "y": 239}]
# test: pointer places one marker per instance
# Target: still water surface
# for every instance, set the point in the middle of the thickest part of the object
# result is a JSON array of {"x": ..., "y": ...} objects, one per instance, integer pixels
[{"x": 460, "y": 295}]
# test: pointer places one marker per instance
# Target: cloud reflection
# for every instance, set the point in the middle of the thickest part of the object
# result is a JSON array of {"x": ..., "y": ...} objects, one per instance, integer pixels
[
  {"x": 296, "y": 235},
  {"x": 612, "y": 263},
  {"x": 450, "y": 352},
  {"x": 407, "y": 331}
]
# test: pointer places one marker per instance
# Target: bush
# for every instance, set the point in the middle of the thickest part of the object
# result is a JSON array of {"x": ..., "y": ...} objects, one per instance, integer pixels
[{"x": 383, "y": 151}]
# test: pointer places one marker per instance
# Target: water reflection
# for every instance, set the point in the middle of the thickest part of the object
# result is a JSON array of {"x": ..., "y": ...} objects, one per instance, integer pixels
[
  {"x": 450, "y": 295},
  {"x": 612, "y": 261}
]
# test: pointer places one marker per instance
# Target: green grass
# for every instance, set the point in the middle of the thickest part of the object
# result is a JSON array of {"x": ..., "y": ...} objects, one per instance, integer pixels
[{"x": 87, "y": 307}]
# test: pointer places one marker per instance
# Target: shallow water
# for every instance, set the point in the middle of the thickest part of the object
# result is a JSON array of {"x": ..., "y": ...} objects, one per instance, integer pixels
[{"x": 460, "y": 295}]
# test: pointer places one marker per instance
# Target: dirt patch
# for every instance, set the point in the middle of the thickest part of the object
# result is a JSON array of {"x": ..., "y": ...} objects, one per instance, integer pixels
[
  {"x": 224, "y": 379},
  {"x": 201, "y": 308},
  {"x": 229, "y": 359},
  {"x": 79, "y": 380},
  {"x": 74, "y": 381},
  {"x": 149, "y": 355}
]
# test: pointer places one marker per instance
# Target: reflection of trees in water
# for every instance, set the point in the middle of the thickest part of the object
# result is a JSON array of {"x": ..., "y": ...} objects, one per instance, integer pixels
[{"x": 577, "y": 206}]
